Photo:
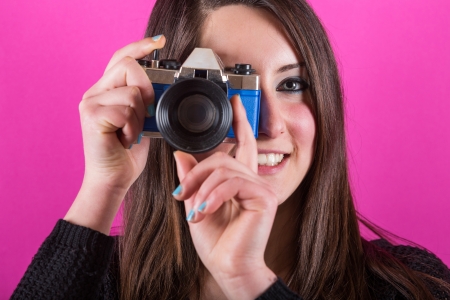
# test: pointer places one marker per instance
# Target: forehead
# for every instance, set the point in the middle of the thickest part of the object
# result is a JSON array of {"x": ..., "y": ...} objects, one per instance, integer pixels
[{"x": 240, "y": 34}]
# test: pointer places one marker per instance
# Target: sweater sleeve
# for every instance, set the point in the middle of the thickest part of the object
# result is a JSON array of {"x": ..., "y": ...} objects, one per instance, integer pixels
[
  {"x": 422, "y": 261},
  {"x": 417, "y": 259},
  {"x": 279, "y": 291},
  {"x": 72, "y": 263},
  {"x": 427, "y": 263}
]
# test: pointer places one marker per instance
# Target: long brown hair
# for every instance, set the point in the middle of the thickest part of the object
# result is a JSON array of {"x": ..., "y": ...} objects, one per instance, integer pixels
[{"x": 157, "y": 257}]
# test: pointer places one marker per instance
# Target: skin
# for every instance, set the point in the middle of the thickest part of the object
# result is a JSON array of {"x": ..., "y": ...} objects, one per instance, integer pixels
[{"x": 243, "y": 235}]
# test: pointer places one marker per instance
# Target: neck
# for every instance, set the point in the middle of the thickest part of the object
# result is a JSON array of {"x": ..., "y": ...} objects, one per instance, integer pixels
[{"x": 281, "y": 248}]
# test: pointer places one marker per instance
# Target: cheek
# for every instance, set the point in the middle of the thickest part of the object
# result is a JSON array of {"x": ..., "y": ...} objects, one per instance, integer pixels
[{"x": 302, "y": 127}]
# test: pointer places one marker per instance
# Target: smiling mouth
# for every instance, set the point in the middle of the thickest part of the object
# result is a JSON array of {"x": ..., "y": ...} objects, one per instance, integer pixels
[{"x": 270, "y": 159}]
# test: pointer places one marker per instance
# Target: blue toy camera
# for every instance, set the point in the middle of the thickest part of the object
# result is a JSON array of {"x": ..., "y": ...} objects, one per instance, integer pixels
[{"x": 193, "y": 111}]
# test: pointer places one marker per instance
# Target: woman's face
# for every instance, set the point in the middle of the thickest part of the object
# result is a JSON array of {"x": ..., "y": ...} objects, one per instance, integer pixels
[{"x": 239, "y": 34}]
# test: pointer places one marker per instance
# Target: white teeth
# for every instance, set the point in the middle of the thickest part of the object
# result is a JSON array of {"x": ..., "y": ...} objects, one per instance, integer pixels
[
  {"x": 262, "y": 159},
  {"x": 270, "y": 159}
]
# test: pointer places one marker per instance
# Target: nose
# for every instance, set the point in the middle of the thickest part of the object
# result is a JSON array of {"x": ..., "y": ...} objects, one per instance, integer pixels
[{"x": 271, "y": 121}]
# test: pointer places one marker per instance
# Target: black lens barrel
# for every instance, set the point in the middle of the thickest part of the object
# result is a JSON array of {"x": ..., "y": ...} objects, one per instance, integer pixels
[{"x": 194, "y": 115}]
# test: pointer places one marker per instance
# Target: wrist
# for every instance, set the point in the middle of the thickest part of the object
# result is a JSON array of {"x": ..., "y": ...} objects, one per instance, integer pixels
[
  {"x": 111, "y": 181},
  {"x": 250, "y": 285},
  {"x": 96, "y": 206}
]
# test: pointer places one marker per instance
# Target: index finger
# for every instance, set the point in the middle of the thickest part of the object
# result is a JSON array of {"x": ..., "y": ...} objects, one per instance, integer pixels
[
  {"x": 138, "y": 49},
  {"x": 246, "y": 147}
]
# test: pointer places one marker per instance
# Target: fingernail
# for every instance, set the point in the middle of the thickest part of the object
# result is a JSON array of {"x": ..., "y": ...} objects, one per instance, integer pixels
[
  {"x": 139, "y": 138},
  {"x": 239, "y": 97},
  {"x": 177, "y": 191},
  {"x": 190, "y": 216},
  {"x": 151, "y": 110},
  {"x": 202, "y": 207},
  {"x": 130, "y": 146},
  {"x": 157, "y": 37}
]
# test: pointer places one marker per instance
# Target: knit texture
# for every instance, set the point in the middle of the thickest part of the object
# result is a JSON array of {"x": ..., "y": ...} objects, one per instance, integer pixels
[
  {"x": 70, "y": 264},
  {"x": 75, "y": 262},
  {"x": 417, "y": 260}
]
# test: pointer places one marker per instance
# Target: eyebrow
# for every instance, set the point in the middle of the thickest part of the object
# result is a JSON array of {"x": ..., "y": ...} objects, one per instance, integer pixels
[{"x": 290, "y": 67}]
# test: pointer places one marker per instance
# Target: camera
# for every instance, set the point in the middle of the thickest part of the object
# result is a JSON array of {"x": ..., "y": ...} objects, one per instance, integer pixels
[{"x": 193, "y": 111}]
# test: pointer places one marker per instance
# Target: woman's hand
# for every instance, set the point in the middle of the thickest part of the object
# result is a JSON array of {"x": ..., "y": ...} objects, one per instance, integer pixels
[
  {"x": 231, "y": 211},
  {"x": 112, "y": 115}
]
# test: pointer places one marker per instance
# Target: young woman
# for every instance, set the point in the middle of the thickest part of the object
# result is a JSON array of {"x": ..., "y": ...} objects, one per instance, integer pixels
[{"x": 270, "y": 218}]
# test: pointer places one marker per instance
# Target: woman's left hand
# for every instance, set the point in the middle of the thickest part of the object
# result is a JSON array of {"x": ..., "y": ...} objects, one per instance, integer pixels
[{"x": 231, "y": 210}]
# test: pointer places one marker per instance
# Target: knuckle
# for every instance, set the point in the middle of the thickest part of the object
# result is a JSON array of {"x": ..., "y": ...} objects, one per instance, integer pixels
[
  {"x": 117, "y": 54},
  {"x": 272, "y": 200},
  {"x": 124, "y": 62},
  {"x": 128, "y": 112},
  {"x": 191, "y": 174},
  {"x": 215, "y": 195},
  {"x": 200, "y": 196},
  {"x": 128, "y": 60},
  {"x": 238, "y": 181},
  {"x": 85, "y": 110},
  {"x": 134, "y": 92},
  {"x": 85, "y": 95},
  {"x": 221, "y": 171},
  {"x": 87, "y": 118},
  {"x": 82, "y": 106}
]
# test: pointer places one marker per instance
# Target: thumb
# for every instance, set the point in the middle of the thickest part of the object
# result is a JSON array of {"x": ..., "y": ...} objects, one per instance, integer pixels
[{"x": 185, "y": 163}]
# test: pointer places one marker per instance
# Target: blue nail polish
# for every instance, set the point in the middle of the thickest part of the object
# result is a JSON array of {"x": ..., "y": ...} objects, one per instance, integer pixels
[
  {"x": 190, "y": 216},
  {"x": 139, "y": 138},
  {"x": 177, "y": 191},
  {"x": 156, "y": 37},
  {"x": 202, "y": 207},
  {"x": 151, "y": 110}
]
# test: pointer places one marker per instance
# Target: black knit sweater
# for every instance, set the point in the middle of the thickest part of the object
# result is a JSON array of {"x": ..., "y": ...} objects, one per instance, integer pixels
[{"x": 75, "y": 262}]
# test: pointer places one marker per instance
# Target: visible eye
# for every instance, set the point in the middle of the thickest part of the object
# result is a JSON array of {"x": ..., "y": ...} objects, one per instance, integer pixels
[{"x": 293, "y": 85}]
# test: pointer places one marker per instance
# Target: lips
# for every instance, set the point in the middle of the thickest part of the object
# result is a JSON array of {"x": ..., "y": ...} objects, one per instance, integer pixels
[{"x": 271, "y": 161}]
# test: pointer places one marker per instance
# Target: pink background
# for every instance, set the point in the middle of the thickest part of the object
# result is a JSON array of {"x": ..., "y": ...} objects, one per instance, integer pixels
[{"x": 395, "y": 62}]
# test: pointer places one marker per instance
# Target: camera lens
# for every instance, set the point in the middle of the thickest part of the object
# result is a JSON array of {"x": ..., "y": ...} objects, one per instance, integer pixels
[{"x": 194, "y": 115}]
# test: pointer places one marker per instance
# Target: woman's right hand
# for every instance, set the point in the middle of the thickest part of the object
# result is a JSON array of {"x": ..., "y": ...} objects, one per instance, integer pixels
[{"x": 112, "y": 115}]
